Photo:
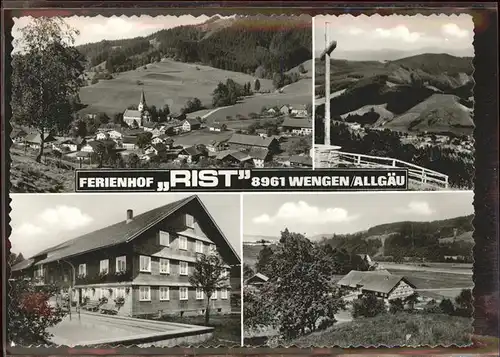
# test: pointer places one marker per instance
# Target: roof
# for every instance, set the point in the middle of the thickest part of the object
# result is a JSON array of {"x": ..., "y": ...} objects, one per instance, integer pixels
[
  {"x": 36, "y": 138},
  {"x": 300, "y": 107},
  {"x": 258, "y": 153},
  {"x": 132, "y": 113},
  {"x": 193, "y": 121},
  {"x": 95, "y": 143},
  {"x": 123, "y": 232},
  {"x": 257, "y": 277},
  {"x": 192, "y": 150},
  {"x": 27, "y": 263},
  {"x": 240, "y": 156},
  {"x": 16, "y": 132},
  {"x": 251, "y": 140},
  {"x": 130, "y": 139},
  {"x": 374, "y": 281},
  {"x": 301, "y": 159},
  {"x": 132, "y": 132},
  {"x": 297, "y": 123}
]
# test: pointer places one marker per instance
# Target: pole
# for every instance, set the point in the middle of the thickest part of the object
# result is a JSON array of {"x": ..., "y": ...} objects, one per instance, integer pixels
[
  {"x": 73, "y": 283},
  {"x": 327, "y": 88}
]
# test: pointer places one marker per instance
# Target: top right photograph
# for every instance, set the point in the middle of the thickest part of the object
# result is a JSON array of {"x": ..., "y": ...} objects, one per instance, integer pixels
[{"x": 396, "y": 91}]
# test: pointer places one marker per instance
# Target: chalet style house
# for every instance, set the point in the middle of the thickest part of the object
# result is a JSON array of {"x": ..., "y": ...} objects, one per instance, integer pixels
[
  {"x": 382, "y": 284},
  {"x": 143, "y": 263}
]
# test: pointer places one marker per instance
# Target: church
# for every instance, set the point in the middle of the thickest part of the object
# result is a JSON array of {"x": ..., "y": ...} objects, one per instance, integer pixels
[{"x": 137, "y": 118}]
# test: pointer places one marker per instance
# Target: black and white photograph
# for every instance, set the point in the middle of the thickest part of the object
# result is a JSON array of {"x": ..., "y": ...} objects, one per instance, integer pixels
[
  {"x": 131, "y": 269},
  {"x": 358, "y": 269},
  {"x": 158, "y": 92},
  {"x": 396, "y": 91}
]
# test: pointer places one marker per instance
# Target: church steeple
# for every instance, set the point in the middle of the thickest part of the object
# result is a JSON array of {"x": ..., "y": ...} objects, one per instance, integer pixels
[{"x": 142, "y": 103}]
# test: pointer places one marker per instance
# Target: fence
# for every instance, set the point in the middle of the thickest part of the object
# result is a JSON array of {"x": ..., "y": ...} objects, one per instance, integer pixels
[{"x": 331, "y": 157}]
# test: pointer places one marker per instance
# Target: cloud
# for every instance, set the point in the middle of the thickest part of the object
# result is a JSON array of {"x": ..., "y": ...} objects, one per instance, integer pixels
[
  {"x": 420, "y": 208},
  {"x": 454, "y": 30},
  {"x": 304, "y": 213},
  {"x": 399, "y": 33},
  {"x": 65, "y": 217},
  {"x": 28, "y": 229}
]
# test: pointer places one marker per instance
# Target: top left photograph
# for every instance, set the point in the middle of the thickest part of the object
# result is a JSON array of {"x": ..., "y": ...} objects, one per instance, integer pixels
[{"x": 161, "y": 92}]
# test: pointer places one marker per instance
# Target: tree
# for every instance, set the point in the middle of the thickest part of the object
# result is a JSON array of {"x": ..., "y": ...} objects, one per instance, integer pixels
[
  {"x": 255, "y": 313},
  {"x": 208, "y": 275},
  {"x": 396, "y": 305},
  {"x": 264, "y": 261},
  {"x": 447, "y": 307},
  {"x": 144, "y": 139},
  {"x": 46, "y": 75},
  {"x": 464, "y": 303},
  {"x": 300, "y": 292},
  {"x": 256, "y": 85},
  {"x": 15, "y": 258},
  {"x": 411, "y": 301},
  {"x": 301, "y": 146},
  {"x": 30, "y": 314},
  {"x": 302, "y": 69},
  {"x": 368, "y": 306},
  {"x": 133, "y": 161},
  {"x": 79, "y": 128},
  {"x": 192, "y": 105}
]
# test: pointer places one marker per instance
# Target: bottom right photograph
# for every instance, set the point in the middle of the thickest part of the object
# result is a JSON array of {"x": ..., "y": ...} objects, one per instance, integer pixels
[{"x": 358, "y": 269}]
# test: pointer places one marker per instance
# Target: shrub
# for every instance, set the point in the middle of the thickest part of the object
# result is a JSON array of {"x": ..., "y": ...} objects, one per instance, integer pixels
[{"x": 368, "y": 306}]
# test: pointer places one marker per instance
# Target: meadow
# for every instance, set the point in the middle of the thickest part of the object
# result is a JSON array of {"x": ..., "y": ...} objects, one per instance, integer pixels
[{"x": 174, "y": 83}]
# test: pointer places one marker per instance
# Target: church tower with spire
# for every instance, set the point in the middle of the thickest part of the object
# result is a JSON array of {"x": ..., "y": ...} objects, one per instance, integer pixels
[{"x": 142, "y": 104}]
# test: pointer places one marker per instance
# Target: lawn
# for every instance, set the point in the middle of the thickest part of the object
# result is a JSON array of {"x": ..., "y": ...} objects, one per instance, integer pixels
[
  {"x": 227, "y": 328},
  {"x": 402, "y": 329},
  {"x": 167, "y": 82}
]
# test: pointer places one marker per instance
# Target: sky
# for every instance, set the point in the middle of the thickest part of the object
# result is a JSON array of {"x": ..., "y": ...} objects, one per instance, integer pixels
[
  {"x": 438, "y": 33},
  {"x": 98, "y": 28},
  {"x": 40, "y": 221},
  {"x": 341, "y": 213}
]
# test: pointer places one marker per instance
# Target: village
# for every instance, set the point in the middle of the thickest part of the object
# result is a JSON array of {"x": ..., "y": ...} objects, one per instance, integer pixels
[{"x": 284, "y": 140}]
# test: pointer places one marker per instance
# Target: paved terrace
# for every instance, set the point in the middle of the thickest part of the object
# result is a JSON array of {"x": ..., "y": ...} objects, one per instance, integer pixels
[{"x": 93, "y": 329}]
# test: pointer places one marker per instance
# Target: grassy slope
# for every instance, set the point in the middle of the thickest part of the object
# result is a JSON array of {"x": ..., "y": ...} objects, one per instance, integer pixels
[
  {"x": 173, "y": 83},
  {"x": 391, "y": 330}
]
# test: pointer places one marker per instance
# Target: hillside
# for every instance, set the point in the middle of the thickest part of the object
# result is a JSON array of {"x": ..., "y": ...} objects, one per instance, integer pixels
[
  {"x": 241, "y": 44},
  {"x": 427, "y": 92}
]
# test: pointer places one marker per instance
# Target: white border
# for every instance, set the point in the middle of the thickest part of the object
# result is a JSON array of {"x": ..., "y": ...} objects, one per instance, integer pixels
[
  {"x": 241, "y": 272},
  {"x": 313, "y": 83}
]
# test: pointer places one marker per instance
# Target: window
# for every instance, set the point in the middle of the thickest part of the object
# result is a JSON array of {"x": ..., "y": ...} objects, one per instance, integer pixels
[
  {"x": 164, "y": 266},
  {"x": 214, "y": 295},
  {"x": 65, "y": 278},
  {"x": 39, "y": 271},
  {"x": 121, "y": 263},
  {"x": 199, "y": 294},
  {"x": 223, "y": 294},
  {"x": 189, "y": 221},
  {"x": 102, "y": 293},
  {"x": 164, "y": 293},
  {"x": 82, "y": 269},
  {"x": 144, "y": 263},
  {"x": 120, "y": 292},
  {"x": 199, "y": 246},
  {"x": 104, "y": 266},
  {"x": 183, "y": 243},
  {"x": 183, "y": 293},
  {"x": 164, "y": 239},
  {"x": 144, "y": 293},
  {"x": 183, "y": 268}
]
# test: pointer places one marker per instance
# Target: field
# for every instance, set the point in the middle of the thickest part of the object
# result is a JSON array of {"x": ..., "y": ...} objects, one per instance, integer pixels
[
  {"x": 394, "y": 330},
  {"x": 174, "y": 83}
]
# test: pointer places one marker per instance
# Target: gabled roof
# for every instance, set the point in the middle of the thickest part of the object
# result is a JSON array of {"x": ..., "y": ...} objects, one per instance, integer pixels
[
  {"x": 17, "y": 132},
  {"x": 191, "y": 150},
  {"x": 257, "y": 277},
  {"x": 258, "y": 153},
  {"x": 25, "y": 264},
  {"x": 36, "y": 138},
  {"x": 130, "y": 139},
  {"x": 301, "y": 159},
  {"x": 372, "y": 281},
  {"x": 123, "y": 232},
  {"x": 251, "y": 140},
  {"x": 297, "y": 123},
  {"x": 132, "y": 113},
  {"x": 193, "y": 121}
]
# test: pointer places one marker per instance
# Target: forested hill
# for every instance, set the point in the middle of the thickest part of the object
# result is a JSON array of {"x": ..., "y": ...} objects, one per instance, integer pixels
[{"x": 259, "y": 45}]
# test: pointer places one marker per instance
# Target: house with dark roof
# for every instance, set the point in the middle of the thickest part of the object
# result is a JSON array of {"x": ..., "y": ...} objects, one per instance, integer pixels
[
  {"x": 297, "y": 126},
  {"x": 258, "y": 279},
  {"x": 142, "y": 264},
  {"x": 190, "y": 154},
  {"x": 217, "y": 127},
  {"x": 233, "y": 158},
  {"x": 299, "y": 111},
  {"x": 382, "y": 284},
  {"x": 301, "y": 161},
  {"x": 259, "y": 156},
  {"x": 190, "y": 124},
  {"x": 129, "y": 142},
  {"x": 242, "y": 141},
  {"x": 34, "y": 140},
  {"x": 17, "y": 135}
]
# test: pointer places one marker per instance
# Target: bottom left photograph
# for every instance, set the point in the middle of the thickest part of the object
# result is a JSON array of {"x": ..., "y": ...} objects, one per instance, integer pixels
[{"x": 125, "y": 269}]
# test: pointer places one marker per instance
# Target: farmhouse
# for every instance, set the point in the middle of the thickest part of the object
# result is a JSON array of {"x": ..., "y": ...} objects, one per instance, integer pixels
[
  {"x": 257, "y": 280},
  {"x": 217, "y": 127},
  {"x": 34, "y": 140},
  {"x": 93, "y": 146},
  {"x": 259, "y": 156},
  {"x": 17, "y": 135},
  {"x": 233, "y": 157},
  {"x": 285, "y": 109},
  {"x": 190, "y": 124},
  {"x": 297, "y": 126},
  {"x": 129, "y": 142},
  {"x": 215, "y": 146},
  {"x": 70, "y": 144},
  {"x": 300, "y": 161},
  {"x": 158, "y": 149},
  {"x": 190, "y": 154},
  {"x": 242, "y": 141},
  {"x": 163, "y": 139},
  {"x": 383, "y": 285},
  {"x": 299, "y": 111},
  {"x": 103, "y": 135},
  {"x": 141, "y": 265}
]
